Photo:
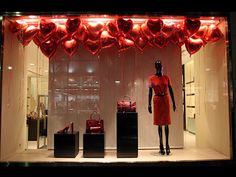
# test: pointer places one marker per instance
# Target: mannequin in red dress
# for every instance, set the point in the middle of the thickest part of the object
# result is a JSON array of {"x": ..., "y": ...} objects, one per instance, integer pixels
[{"x": 160, "y": 84}]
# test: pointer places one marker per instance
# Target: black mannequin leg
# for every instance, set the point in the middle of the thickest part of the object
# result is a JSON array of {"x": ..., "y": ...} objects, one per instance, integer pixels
[
  {"x": 167, "y": 139},
  {"x": 161, "y": 140}
]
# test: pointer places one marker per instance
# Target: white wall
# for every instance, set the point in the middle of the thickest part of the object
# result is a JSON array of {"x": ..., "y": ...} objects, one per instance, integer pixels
[
  {"x": 13, "y": 122},
  {"x": 212, "y": 99},
  {"x": 132, "y": 68},
  {"x": 14, "y": 91}
]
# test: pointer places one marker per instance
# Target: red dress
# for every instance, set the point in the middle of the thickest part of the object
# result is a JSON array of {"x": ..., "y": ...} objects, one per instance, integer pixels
[{"x": 161, "y": 100}]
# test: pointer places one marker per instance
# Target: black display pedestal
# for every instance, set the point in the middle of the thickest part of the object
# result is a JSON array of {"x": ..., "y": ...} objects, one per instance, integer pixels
[
  {"x": 127, "y": 134},
  {"x": 93, "y": 145},
  {"x": 66, "y": 145},
  {"x": 32, "y": 129}
]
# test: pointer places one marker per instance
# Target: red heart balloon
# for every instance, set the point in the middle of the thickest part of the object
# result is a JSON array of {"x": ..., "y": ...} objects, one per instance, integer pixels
[
  {"x": 155, "y": 26},
  {"x": 135, "y": 33},
  {"x": 107, "y": 40},
  {"x": 193, "y": 45},
  {"x": 179, "y": 36},
  {"x": 81, "y": 34},
  {"x": 141, "y": 43},
  {"x": 49, "y": 47},
  {"x": 39, "y": 39},
  {"x": 151, "y": 42},
  {"x": 201, "y": 33},
  {"x": 146, "y": 32},
  {"x": 160, "y": 41},
  {"x": 27, "y": 35},
  {"x": 93, "y": 46},
  {"x": 17, "y": 26},
  {"x": 125, "y": 26},
  {"x": 214, "y": 34},
  {"x": 124, "y": 43},
  {"x": 72, "y": 25},
  {"x": 47, "y": 28},
  {"x": 168, "y": 29},
  {"x": 61, "y": 32},
  {"x": 70, "y": 46},
  {"x": 191, "y": 26},
  {"x": 112, "y": 29},
  {"x": 94, "y": 30}
]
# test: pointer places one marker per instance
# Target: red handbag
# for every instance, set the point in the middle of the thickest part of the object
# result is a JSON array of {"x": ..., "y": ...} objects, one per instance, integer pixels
[
  {"x": 126, "y": 105},
  {"x": 94, "y": 125}
]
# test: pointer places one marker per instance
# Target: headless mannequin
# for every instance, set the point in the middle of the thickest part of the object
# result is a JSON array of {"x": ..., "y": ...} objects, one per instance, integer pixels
[{"x": 159, "y": 73}]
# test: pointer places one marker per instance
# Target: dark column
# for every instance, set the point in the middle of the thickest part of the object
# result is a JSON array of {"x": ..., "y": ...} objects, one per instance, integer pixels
[
  {"x": 127, "y": 134},
  {"x": 232, "y": 77}
]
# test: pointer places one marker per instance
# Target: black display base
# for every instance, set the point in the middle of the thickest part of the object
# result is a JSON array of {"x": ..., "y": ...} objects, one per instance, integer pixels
[
  {"x": 32, "y": 129},
  {"x": 93, "y": 145},
  {"x": 127, "y": 147},
  {"x": 66, "y": 145},
  {"x": 127, "y": 134}
]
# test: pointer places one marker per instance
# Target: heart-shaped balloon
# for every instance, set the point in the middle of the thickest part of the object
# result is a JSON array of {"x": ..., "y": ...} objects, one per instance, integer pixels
[
  {"x": 93, "y": 46},
  {"x": 154, "y": 26},
  {"x": 27, "y": 35},
  {"x": 81, "y": 34},
  {"x": 70, "y": 46},
  {"x": 49, "y": 47},
  {"x": 124, "y": 43},
  {"x": 94, "y": 30},
  {"x": 125, "y": 26},
  {"x": 168, "y": 29},
  {"x": 214, "y": 34},
  {"x": 72, "y": 25},
  {"x": 146, "y": 32},
  {"x": 61, "y": 32},
  {"x": 17, "y": 26},
  {"x": 141, "y": 43},
  {"x": 112, "y": 29},
  {"x": 39, "y": 39},
  {"x": 47, "y": 28},
  {"x": 151, "y": 42},
  {"x": 193, "y": 45},
  {"x": 201, "y": 33},
  {"x": 107, "y": 40},
  {"x": 191, "y": 26},
  {"x": 179, "y": 36},
  {"x": 135, "y": 33},
  {"x": 160, "y": 41}
]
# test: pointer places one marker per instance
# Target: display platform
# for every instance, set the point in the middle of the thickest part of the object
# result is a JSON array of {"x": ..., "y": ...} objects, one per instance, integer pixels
[
  {"x": 93, "y": 145},
  {"x": 127, "y": 134},
  {"x": 66, "y": 144}
]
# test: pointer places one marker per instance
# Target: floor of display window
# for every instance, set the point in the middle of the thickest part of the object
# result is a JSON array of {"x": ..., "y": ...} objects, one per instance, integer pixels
[{"x": 189, "y": 153}]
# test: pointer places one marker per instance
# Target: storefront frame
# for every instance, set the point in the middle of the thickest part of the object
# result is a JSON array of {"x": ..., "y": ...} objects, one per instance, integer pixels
[{"x": 231, "y": 81}]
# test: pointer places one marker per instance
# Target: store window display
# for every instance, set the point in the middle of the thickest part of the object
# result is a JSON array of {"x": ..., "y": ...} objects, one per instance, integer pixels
[
  {"x": 95, "y": 77},
  {"x": 160, "y": 83}
]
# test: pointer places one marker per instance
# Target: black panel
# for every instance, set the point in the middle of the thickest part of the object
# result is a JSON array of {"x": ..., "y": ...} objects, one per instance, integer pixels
[
  {"x": 93, "y": 145},
  {"x": 117, "y": 6},
  {"x": 66, "y": 145},
  {"x": 127, "y": 134}
]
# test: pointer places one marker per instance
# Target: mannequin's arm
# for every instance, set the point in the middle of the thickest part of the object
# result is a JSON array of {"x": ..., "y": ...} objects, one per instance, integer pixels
[
  {"x": 150, "y": 100},
  {"x": 172, "y": 97}
]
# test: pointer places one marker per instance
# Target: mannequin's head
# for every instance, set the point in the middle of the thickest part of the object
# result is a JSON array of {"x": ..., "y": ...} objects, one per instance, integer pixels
[{"x": 159, "y": 68}]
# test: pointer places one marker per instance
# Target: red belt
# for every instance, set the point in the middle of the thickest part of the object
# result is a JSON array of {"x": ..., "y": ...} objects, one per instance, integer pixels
[{"x": 161, "y": 94}]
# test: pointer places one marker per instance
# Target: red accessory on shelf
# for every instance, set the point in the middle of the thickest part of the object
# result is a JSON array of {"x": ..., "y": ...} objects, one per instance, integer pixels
[
  {"x": 94, "y": 125},
  {"x": 126, "y": 105}
]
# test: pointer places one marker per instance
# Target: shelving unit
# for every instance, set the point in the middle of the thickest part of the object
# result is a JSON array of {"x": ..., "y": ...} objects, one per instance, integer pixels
[{"x": 190, "y": 95}]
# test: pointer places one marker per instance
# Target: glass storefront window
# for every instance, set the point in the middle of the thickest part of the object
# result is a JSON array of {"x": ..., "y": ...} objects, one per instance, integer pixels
[{"x": 87, "y": 63}]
